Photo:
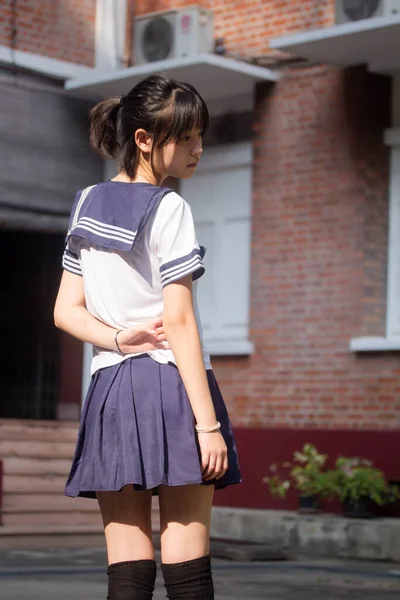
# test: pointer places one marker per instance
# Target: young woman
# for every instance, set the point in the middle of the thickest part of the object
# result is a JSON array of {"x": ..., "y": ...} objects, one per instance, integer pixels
[{"x": 154, "y": 420}]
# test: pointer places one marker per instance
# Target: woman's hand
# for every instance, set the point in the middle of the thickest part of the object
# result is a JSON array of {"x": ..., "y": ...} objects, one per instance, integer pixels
[
  {"x": 144, "y": 337},
  {"x": 214, "y": 455}
]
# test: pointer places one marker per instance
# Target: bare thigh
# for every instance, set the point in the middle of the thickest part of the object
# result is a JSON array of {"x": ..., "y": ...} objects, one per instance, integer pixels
[
  {"x": 185, "y": 516},
  {"x": 127, "y": 524}
]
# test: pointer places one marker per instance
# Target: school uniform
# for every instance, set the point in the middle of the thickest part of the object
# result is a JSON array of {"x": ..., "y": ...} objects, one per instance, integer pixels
[{"x": 128, "y": 241}]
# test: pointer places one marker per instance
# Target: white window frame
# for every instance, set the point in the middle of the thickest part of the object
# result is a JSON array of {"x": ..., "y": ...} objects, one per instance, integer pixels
[
  {"x": 392, "y": 339},
  {"x": 393, "y": 309},
  {"x": 215, "y": 159}
]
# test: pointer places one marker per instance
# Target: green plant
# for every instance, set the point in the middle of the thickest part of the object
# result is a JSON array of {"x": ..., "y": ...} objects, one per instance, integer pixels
[
  {"x": 303, "y": 474},
  {"x": 356, "y": 478}
]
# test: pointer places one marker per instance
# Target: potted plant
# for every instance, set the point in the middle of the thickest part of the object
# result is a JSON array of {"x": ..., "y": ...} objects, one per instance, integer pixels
[
  {"x": 358, "y": 484},
  {"x": 304, "y": 474}
]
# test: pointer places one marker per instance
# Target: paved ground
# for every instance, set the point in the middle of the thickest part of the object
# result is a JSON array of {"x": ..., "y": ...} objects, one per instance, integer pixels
[{"x": 80, "y": 574}]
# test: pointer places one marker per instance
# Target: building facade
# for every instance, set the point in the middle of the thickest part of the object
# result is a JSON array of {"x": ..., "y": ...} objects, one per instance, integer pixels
[{"x": 297, "y": 200}]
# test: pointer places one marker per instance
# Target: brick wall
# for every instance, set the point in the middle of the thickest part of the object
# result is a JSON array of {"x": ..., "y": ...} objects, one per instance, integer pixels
[
  {"x": 62, "y": 29},
  {"x": 319, "y": 257},
  {"x": 320, "y": 218},
  {"x": 247, "y": 25},
  {"x": 319, "y": 252}
]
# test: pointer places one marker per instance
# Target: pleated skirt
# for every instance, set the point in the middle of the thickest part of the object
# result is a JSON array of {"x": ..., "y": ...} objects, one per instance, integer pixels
[{"x": 137, "y": 428}]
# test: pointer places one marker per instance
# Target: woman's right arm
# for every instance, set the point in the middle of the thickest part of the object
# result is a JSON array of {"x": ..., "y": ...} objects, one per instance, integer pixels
[
  {"x": 72, "y": 316},
  {"x": 183, "y": 336}
]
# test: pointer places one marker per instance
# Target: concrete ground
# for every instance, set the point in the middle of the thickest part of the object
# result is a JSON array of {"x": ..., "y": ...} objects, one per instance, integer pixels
[{"x": 80, "y": 574}]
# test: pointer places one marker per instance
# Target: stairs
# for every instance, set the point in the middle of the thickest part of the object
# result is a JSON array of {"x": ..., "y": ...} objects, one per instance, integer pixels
[{"x": 36, "y": 458}]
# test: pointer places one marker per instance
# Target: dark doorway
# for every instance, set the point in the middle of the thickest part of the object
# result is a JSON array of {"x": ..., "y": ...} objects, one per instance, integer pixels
[{"x": 30, "y": 271}]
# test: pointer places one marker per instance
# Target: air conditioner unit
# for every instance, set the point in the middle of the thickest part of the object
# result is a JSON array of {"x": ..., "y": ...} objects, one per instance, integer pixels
[
  {"x": 355, "y": 10},
  {"x": 173, "y": 34}
]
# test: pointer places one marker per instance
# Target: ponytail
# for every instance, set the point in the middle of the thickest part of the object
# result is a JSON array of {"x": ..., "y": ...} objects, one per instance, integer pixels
[
  {"x": 103, "y": 120},
  {"x": 165, "y": 108}
]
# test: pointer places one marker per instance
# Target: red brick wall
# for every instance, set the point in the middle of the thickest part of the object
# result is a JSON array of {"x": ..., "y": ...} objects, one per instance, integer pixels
[
  {"x": 62, "y": 29},
  {"x": 319, "y": 257},
  {"x": 320, "y": 217},
  {"x": 248, "y": 25}
]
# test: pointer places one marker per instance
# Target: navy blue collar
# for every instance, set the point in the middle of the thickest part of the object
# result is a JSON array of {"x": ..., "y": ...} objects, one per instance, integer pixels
[{"x": 113, "y": 214}]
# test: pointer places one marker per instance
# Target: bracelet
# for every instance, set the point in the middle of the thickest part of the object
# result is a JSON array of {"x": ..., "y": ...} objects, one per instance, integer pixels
[
  {"x": 116, "y": 340},
  {"x": 208, "y": 429}
]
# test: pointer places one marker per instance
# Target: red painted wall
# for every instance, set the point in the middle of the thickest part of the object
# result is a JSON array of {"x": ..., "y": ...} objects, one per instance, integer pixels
[
  {"x": 71, "y": 361},
  {"x": 259, "y": 448},
  {"x": 1, "y": 492}
]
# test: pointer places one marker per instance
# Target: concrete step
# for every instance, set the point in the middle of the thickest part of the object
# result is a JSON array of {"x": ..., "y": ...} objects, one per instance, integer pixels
[
  {"x": 32, "y": 484},
  {"x": 61, "y": 530},
  {"x": 36, "y": 466},
  {"x": 54, "y": 519},
  {"x": 51, "y": 535},
  {"x": 55, "y": 502},
  {"x": 36, "y": 458},
  {"x": 36, "y": 449},
  {"x": 52, "y": 431}
]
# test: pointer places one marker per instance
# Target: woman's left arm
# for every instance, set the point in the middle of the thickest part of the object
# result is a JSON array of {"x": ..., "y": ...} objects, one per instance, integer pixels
[{"x": 72, "y": 316}]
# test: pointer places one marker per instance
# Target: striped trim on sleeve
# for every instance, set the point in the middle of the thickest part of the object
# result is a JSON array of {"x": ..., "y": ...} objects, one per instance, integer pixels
[
  {"x": 180, "y": 267},
  {"x": 70, "y": 262}
]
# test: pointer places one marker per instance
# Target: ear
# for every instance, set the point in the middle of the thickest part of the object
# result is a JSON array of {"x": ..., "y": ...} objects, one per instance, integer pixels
[{"x": 143, "y": 140}]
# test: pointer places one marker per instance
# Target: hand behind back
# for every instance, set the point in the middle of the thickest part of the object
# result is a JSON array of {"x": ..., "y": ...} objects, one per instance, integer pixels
[{"x": 144, "y": 337}]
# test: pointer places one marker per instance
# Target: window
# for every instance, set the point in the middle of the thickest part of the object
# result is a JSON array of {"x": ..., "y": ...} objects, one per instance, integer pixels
[
  {"x": 220, "y": 197},
  {"x": 392, "y": 339}
]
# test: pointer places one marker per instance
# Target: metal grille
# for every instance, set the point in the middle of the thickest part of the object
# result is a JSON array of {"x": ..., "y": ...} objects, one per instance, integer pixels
[{"x": 30, "y": 344}]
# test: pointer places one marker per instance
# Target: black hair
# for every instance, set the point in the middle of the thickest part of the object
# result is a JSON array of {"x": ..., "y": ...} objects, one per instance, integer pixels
[{"x": 165, "y": 108}]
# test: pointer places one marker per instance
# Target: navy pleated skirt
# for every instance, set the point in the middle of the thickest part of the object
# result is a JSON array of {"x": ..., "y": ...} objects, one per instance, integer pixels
[{"x": 137, "y": 428}]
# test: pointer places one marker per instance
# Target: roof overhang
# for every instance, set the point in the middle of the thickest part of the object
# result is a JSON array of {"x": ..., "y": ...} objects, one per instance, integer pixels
[
  {"x": 374, "y": 42},
  {"x": 216, "y": 77}
]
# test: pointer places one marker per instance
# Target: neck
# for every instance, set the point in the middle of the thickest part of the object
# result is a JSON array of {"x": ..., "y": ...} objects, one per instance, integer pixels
[{"x": 138, "y": 178}]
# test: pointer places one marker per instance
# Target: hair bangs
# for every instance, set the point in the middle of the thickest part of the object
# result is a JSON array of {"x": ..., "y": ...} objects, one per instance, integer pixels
[{"x": 186, "y": 112}]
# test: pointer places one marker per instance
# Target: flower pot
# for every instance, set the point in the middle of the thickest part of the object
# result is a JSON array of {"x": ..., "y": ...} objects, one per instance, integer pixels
[
  {"x": 357, "y": 509},
  {"x": 308, "y": 504}
]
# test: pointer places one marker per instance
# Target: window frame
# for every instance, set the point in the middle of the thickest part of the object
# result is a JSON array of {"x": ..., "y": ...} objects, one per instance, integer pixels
[
  {"x": 224, "y": 157},
  {"x": 391, "y": 341}
]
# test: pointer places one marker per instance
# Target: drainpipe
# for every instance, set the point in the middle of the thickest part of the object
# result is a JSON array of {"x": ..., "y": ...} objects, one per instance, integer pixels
[{"x": 128, "y": 58}]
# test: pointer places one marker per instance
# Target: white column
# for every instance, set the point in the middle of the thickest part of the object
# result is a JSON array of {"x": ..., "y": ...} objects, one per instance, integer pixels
[
  {"x": 87, "y": 359},
  {"x": 392, "y": 138},
  {"x": 110, "y": 33},
  {"x": 393, "y": 272}
]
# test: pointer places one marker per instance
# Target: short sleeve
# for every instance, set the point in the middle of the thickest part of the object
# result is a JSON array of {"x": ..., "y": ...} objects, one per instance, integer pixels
[
  {"x": 71, "y": 263},
  {"x": 70, "y": 258},
  {"x": 173, "y": 239}
]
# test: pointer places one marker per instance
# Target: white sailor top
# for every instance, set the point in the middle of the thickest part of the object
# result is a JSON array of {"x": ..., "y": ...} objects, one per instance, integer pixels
[{"x": 128, "y": 241}]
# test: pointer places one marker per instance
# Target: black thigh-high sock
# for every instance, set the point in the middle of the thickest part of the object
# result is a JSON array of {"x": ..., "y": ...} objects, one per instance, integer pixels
[
  {"x": 131, "y": 580},
  {"x": 190, "y": 580}
]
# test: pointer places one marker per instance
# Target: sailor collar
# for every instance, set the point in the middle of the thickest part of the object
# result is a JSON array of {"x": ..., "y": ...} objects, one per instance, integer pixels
[{"x": 114, "y": 214}]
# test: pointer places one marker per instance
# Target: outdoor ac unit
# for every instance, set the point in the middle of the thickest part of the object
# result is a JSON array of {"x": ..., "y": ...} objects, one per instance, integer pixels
[
  {"x": 355, "y": 10},
  {"x": 173, "y": 34}
]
